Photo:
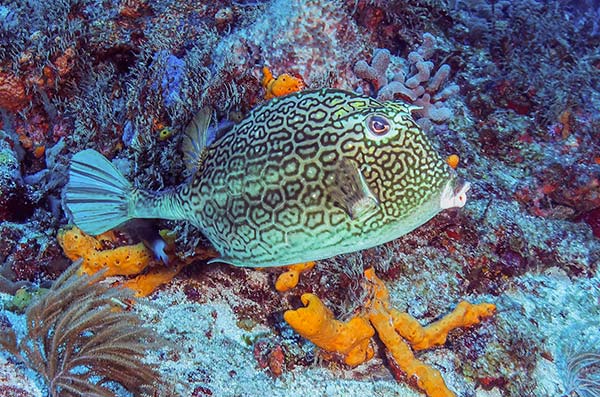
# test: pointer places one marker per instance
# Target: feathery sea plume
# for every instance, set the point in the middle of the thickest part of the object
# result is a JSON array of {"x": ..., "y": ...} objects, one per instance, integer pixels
[
  {"x": 84, "y": 342},
  {"x": 579, "y": 363}
]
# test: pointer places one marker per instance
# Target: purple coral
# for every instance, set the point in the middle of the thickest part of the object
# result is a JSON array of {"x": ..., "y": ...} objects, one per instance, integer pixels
[
  {"x": 376, "y": 72},
  {"x": 414, "y": 80}
]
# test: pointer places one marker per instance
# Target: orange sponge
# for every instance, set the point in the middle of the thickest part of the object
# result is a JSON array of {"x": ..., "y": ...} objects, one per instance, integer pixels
[
  {"x": 289, "y": 279},
  {"x": 282, "y": 85},
  {"x": 352, "y": 339},
  {"x": 145, "y": 284},
  {"x": 121, "y": 261},
  {"x": 435, "y": 334},
  {"x": 128, "y": 260},
  {"x": 427, "y": 378},
  {"x": 316, "y": 323},
  {"x": 393, "y": 327}
]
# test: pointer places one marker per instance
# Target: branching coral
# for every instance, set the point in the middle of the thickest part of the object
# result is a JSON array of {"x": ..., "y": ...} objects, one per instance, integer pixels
[
  {"x": 413, "y": 80},
  {"x": 82, "y": 341}
]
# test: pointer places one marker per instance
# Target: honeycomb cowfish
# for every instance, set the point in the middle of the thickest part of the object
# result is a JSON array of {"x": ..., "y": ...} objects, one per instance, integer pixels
[{"x": 302, "y": 177}]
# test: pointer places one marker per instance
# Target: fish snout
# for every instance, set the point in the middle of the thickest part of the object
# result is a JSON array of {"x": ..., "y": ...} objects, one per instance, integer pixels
[{"x": 454, "y": 194}]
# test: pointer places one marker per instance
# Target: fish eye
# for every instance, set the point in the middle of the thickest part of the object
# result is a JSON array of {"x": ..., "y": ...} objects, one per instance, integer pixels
[{"x": 378, "y": 125}]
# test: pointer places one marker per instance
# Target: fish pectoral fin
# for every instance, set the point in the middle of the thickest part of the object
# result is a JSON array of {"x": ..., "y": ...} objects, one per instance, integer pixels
[
  {"x": 350, "y": 191},
  {"x": 195, "y": 140}
]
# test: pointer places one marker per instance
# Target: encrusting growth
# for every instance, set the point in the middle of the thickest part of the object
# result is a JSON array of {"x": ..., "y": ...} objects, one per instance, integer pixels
[
  {"x": 121, "y": 261},
  {"x": 146, "y": 283},
  {"x": 282, "y": 85},
  {"x": 289, "y": 279},
  {"x": 128, "y": 260},
  {"x": 352, "y": 339}
]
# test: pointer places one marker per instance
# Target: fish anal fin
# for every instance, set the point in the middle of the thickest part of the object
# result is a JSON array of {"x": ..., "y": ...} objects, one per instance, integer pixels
[
  {"x": 350, "y": 191},
  {"x": 226, "y": 260}
]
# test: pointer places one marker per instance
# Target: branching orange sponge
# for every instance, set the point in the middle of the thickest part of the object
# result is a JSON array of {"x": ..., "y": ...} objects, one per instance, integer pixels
[
  {"x": 128, "y": 260},
  {"x": 398, "y": 331},
  {"x": 393, "y": 327},
  {"x": 464, "y": 315},
  {"x": 316, "y": 323},
  {"x": 282, "y": 85}
]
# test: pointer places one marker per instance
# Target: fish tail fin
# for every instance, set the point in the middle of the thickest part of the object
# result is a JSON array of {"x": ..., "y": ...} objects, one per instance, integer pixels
[{"x": 98, "y": 195}]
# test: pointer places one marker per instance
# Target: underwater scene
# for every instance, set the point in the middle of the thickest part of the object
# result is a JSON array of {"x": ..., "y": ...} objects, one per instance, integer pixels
[{"x": 239, "y": 198}]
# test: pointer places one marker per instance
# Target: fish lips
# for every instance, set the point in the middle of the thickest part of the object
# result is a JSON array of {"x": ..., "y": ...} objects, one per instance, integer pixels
[{"x": 454, "y": 194}]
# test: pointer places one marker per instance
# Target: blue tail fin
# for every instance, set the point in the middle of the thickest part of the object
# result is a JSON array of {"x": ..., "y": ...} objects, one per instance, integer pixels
[{"x": 97, "y": 194}]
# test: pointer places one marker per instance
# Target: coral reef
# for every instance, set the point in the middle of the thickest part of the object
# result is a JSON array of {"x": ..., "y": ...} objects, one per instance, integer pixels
[
  {"x": 13, "y": 96},
  {"x": 15, "y": 201},
  {"x": 126, "y": 77}
]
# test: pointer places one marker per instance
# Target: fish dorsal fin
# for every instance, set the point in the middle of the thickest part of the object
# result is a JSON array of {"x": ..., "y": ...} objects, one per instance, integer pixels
[
  {"x": 350, "y": 191},
  {"x": 195, "y": 140}
]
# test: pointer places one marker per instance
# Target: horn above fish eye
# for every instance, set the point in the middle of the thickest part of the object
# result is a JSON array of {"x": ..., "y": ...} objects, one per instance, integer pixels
[{"x": 378, "y": 125}]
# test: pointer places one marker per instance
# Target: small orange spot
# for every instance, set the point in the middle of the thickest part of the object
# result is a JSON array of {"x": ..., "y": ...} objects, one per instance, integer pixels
[
  {"x": 26, "y": 142},
  {"x": 565, "y": 119},
  {"x": 39, "y": 151},
  {"x": 453, "y": 160},
  {"x": 280, "y": 86},
  {"x": 548, "y": 188},
  {"x": 597, "y": 160}
]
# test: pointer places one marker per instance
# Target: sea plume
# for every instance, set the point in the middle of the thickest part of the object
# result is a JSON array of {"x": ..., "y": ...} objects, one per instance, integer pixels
[
  {"x": 84, "y": 342},
  {"x": 579, "y": 361}
]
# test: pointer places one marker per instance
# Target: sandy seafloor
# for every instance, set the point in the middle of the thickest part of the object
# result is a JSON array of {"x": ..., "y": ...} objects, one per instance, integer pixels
[{"x": 521, "y": 111}]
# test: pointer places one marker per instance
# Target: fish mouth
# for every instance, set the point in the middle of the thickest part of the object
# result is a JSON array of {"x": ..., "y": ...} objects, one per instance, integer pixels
[
  {"x": 454, "y": 194},
  {"x": 461, "y": 186}
]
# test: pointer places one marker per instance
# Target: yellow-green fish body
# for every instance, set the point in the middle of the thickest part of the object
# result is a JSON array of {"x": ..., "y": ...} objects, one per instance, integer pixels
[{"x": 303, "y": 177}]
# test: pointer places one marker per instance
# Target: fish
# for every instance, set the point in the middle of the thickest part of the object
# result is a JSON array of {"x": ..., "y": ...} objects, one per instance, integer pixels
[
  {"x": 146, "y": 231},
  {"x": 303, "y": 177}
]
